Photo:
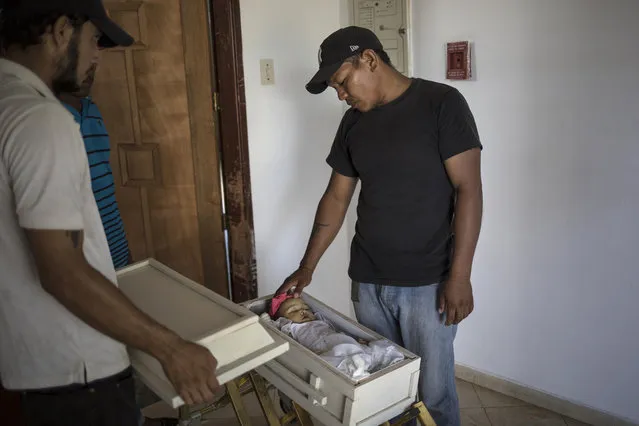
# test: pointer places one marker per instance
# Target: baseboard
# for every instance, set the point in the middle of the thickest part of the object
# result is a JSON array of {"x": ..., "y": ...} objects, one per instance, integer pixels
[{"x": 540, "y": 399}]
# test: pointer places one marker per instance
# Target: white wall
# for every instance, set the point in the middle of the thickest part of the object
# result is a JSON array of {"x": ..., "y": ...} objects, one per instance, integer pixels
[
  {"x": 556, "y": 276},
  {"x": 290, "y": 133},
  {"x": 556, "y": 98}
]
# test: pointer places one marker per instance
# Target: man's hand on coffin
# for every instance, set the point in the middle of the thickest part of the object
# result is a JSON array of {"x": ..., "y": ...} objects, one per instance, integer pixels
[
  {"x": 456, "y": 300},
  {"x": 330, "y": 215},
  {"x": 191, "y": 370},
  {"x": 296, "y": 282}
]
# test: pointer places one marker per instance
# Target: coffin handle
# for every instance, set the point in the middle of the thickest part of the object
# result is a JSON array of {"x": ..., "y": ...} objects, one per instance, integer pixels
[{"x": 314, "y": 395}]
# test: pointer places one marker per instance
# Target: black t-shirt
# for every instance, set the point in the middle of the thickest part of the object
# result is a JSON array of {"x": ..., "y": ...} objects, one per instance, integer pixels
[{"x": 403, "y": 234}]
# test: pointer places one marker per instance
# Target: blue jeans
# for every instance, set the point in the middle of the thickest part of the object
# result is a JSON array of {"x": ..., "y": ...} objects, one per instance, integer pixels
[{"x": 409, "y": 317}]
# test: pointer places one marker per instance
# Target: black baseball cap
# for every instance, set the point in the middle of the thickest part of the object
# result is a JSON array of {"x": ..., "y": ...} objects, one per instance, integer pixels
[
  {"x": 112, "y": 34},
  {"x": 338, "y": 47}
]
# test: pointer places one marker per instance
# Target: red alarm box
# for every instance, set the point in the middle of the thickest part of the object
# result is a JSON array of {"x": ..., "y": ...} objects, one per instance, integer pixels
[{"x": 458, "y": 61}]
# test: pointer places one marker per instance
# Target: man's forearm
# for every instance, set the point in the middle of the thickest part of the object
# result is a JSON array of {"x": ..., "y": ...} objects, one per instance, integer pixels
[
  {"x": 328, "y": 221},
  {"x": 467, "y": 225},
  {"x": 91, "y": 297}
]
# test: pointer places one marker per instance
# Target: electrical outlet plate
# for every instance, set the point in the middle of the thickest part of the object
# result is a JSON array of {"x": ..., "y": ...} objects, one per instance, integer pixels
[{"x": 267, "y": 72}]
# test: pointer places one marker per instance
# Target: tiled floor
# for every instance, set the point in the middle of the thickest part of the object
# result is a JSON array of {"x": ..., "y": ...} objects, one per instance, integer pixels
[
  {"x": 479, "y": 407},
  {"x": 483, "y": 407}
]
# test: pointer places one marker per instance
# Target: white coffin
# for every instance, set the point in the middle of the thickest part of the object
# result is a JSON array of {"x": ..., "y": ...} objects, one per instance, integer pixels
[
  {"x": 231, "y": 332},
  {"x": 327, "y": 394}
]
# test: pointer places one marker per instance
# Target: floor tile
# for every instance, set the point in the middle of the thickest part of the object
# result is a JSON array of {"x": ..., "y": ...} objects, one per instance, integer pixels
[
  {"x": 523, "y": 416},
  {"x": 491, "y": 399},
  {"x": 474, "y": 417},
  {"x": 467, "y": 396},
  {"x": 573, "y": 422}
]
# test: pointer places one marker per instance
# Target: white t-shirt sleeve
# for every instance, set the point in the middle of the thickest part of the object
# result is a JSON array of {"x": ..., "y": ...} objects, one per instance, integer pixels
[{"x": 47, "y": 165}]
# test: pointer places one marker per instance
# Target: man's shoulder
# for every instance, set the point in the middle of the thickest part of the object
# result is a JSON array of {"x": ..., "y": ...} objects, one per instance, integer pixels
[
  {"x": 350, "y": 117},
  {"x": 12, "y": 86},
  {"x": 24, "y": 113},
  {"x": 92, "y": 108},
  {"x": 32, "y": 115},
  {"x": 434, "y": 90},
  {"x": 34, "y": 112},
  {"x": 349, "y": 120},
  {"x": 20, "y": 101}
]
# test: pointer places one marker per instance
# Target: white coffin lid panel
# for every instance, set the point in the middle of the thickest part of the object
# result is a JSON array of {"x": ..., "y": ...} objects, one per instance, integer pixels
[{"x": 231, "y": 332}]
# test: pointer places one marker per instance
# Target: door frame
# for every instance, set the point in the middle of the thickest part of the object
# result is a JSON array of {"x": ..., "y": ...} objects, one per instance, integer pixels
[{"x": 230, "y": 103}]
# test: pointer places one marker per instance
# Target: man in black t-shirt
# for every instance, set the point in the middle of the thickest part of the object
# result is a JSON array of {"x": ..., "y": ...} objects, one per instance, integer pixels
[{"x": 414, "y": 146}]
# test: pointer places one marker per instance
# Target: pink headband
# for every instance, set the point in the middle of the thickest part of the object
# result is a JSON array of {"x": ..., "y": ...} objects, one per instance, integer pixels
[{"x": 277, "y": 301}]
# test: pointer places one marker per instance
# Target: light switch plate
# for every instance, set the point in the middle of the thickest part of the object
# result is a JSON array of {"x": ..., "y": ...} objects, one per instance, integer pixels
[{"x": 267, "y": 72}]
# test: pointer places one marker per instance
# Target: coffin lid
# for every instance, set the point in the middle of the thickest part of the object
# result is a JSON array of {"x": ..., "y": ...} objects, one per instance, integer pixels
[{"x": 231, "y": 332}]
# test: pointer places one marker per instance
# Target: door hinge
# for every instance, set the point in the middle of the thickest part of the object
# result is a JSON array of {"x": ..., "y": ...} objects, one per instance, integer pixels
[{"x": 216, "y": 102}]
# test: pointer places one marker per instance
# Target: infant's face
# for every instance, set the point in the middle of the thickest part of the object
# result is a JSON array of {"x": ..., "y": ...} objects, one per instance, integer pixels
[{"x": 296, "y": 310}]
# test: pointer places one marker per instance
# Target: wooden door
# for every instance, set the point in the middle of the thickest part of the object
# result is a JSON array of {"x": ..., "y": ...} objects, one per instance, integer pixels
[{"x": 157, "y": 101}]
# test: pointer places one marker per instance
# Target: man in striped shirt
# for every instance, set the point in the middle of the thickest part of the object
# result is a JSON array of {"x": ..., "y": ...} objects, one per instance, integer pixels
[{"x": 96, "y": 142}]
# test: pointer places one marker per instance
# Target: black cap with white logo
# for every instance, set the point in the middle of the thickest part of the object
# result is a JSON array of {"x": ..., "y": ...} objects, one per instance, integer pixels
[
  {"x": 93, "y": 10},
  {"x": 338, "y": 47}
]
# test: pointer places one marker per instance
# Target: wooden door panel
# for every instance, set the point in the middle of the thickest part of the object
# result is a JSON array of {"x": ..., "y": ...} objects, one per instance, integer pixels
[
  {"x": 164, "y": 154},
  {"x": 164, "y": 119},
  {"x": 111, "y": 93}
]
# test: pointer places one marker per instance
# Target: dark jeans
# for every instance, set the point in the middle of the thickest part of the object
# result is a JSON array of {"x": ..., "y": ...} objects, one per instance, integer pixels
[
  {"x": 143, "y": 395},
  {"x": 105, "y": 402}
]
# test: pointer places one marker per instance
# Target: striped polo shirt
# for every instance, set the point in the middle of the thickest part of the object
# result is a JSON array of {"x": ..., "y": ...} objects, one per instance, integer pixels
[{"x": 96, "y": 142}]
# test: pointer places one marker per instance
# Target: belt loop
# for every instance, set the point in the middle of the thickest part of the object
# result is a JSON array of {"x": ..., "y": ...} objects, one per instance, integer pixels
[{"x": 354, "y": 291}]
